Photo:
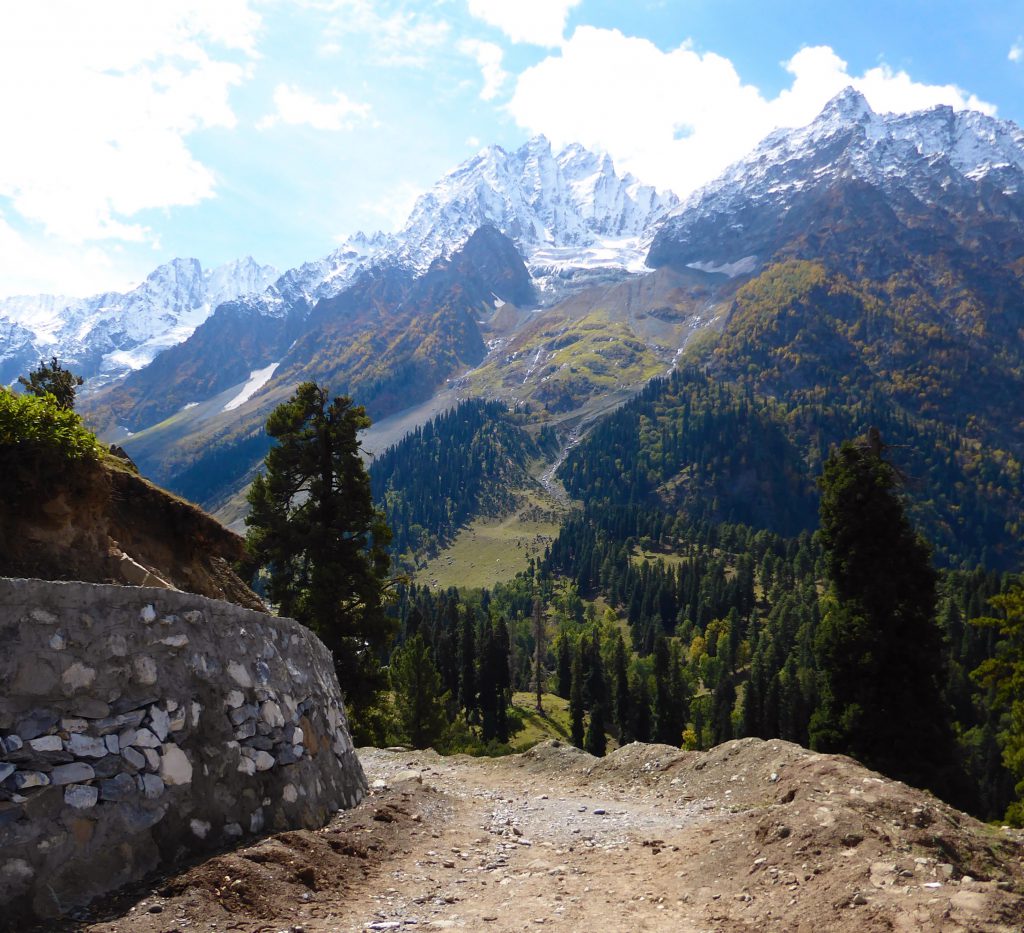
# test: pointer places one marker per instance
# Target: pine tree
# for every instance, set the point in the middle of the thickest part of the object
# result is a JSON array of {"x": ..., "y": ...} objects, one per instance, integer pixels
[
  {"x": 623, "y": 706},
  {"x": 467, "y": 665},
  {"x": 313, "y": 527},
  {"x": 878, "y": 647},
  {"x": 419, "y": 698},
  {"x": 576, "y": 698},
  {"x": 53, "y": 379},
  {"x": 564, "y": 666}
]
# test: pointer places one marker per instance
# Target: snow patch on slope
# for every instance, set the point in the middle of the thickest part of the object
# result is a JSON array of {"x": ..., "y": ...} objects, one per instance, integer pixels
[{"x": 258, "y": 378}]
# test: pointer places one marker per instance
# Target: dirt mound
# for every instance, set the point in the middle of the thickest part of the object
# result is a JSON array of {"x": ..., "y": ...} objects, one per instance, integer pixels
[
  {"x": 100, "y": 522},
  {"x": 751, "y": 835}
]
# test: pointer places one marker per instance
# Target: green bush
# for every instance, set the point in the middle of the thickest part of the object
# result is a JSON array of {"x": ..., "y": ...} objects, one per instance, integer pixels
[{"x": 32, "y": 424}]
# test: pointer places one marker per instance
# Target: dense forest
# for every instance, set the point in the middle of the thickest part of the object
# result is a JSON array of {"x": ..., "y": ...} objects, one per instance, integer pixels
[
  {"x": 468, "y": 461},
  {"x": 683, "y": 602}
]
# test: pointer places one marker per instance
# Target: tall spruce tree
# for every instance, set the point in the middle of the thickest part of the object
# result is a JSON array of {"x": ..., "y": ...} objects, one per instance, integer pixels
[
  {"x": 313, "y": 527},
  {"x": 878, "y": 646},
  {"x": 576, "y": 698}
]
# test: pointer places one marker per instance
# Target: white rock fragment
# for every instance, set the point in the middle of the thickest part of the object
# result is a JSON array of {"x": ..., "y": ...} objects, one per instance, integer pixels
[
  {"x": 47, "y": 743},
  {"x": 175, "y": 768},
  {"x": 239, "y": 674},
  {"x": 79, "y": 676},
  {"x": 81, "y": 796},
  {"x": 151, "y": 786},
  {"x": 200, "y": 828},
  {"x": 234, "y": 699},
  {"x": 264, "y": 761},
  {"x": 175, "y": 641},
  {"x": 86, "y": 746},
  {"x": 57, "y": 641},
  {"x": 144, "y": 739},
  {"x": 271, "y": 714},
  {"x": 289, "y": 793},
  {"x": 152, "y": 759},
  {"x": 73, "y": 724},
  {"x": 148, "y": 614},
  {"x": 246, "y": 765}
]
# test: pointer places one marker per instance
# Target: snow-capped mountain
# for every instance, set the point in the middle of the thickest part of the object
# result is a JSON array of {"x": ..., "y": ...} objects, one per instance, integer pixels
[
  {"x": 924, "y": 160},
  {"x": 572, "y": 216},
  {"x": 109, "y": 334}
]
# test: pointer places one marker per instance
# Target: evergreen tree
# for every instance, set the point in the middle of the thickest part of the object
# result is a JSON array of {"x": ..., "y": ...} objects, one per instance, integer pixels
[
  {"x": 878, "y": 646},
  {"x": 467, "y": 665},
  {"x": 564, "y": 666},
  {"x": 313, "y": 526},
  {"x": 53, "y": 379},
  {"x": 596, "y": 741},
  {"x": 419, "y": 698},
  {"x": 1004, "y": 674},
  {"x": 623, "y": 706},
  {"x": 576, "y": 698},
  {"x": 640, "y": 700}
]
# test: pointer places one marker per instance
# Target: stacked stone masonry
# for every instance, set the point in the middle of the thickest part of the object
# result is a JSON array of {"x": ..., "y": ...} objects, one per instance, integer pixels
[{"x": 140, "y": 725}]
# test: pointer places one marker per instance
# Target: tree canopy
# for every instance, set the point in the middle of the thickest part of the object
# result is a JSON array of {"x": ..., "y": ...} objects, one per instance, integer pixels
[
  {"x": 314, "y": 529},
  {"x": 878, "y": 646},
  {"x": 53, "y": 379}
]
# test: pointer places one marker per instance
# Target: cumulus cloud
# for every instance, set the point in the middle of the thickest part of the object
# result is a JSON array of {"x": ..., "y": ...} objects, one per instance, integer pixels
[
  {"x": 489, "y": 57},
  {"x": 678, "y": 118},
  {"x": 537, "y": 22},
  {"x": 297, "y": 108},
  {"x": 99, "y": 101},
  {"x": 1016, "y": 53}
]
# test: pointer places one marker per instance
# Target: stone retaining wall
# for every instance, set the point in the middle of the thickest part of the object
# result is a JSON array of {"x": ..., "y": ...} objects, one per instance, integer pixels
[{"x": 138, "y": 725}]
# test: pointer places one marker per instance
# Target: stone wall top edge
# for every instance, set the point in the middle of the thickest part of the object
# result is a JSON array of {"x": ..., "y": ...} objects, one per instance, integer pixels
[{"x": 14, "y": 590}]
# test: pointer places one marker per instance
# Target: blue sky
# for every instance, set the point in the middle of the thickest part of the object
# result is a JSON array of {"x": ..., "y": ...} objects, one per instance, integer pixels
[{"x": 136, "y": 132}]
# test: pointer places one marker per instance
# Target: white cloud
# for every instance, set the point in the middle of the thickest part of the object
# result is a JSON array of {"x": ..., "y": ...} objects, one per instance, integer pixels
[
  {"x": 99, "y": 100},
  {"x": 394, "y": 206},
  {"x": 489, "y": 57},
  {"x": 1016, "y": 51},
  {"x": 537, "y": 22},
  {"x": 397, "y": 36},
  {"x": 677, "y": 119},
  {"x": 297, "y": 108}
]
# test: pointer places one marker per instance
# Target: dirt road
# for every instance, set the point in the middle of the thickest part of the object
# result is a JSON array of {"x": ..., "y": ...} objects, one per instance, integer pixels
[{"x": 752, "y": 835}]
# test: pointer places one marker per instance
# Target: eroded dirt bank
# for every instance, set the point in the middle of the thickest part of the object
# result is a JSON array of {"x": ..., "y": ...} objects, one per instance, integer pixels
[{"x": 749, "y": 836}]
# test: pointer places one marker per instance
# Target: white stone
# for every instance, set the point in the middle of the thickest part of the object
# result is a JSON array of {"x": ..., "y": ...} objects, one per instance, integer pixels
[
  {"x": 26, "y": 779},
  {"x": 175, "y": 641},
  {"x": 58, "y": 642},
  {"x": 152, "y": 759},
  {"x": 197, "y": 710},
  {"x": 145, "y": 739},
  {"x": 264, "y": 761},
  {"x": 145, "y": 670},
  {"x": 113, "y": 744},
  {"x": 159, "y": 722},
  {"x": 148, "y": 614},
  {"x": 47, "y": 743},
  {"x": 297, "y": 736},
  {"x": 175, "y": 768},
  {"x": 289, "y": 793},
  {"x": 171, "y": 705},
  {"x": 271, "y": 714},
  {"x": 233, "y": 830},
  {"x": 78, "y": 676},
  {"x": 117, "y": 645},
  {"x": 234, "y": 699},
  {"x": 256, "y": 821},
  {"x": 199, "y": 828},
  {"x": 86, "y": 746},
  {"x": 81, "y": 796},
  {"x": 239, "y": 674},
  {"x": 73, "y": 724},
  {"x": 176, "y": 719},
  {"x": 246, "y": 765},
  {"x": 46, "y": 618}
]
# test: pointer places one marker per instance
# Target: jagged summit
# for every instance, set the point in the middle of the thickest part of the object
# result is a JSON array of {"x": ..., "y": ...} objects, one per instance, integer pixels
[
  {"x": 937, "y": 159},
  {"x": 109, "y": 334}
]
